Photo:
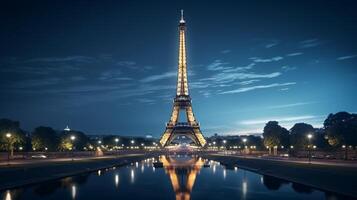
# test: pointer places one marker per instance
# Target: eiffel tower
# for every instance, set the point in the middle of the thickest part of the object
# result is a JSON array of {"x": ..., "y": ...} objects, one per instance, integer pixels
[{"x": 182, "y": 102}]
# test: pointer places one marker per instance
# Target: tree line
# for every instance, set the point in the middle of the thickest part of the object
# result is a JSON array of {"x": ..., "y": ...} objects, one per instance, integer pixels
[
  {"x": 339, "y": 131},
  {"x": 44, "y": 138}
]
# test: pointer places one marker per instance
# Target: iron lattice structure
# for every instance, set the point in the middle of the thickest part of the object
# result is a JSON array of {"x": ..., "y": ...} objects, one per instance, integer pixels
[{"x": 182, "y": 102}]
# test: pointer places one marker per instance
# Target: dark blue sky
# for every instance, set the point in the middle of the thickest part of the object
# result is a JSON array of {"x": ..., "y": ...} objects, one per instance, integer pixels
[{"x": 110, "y": 66}]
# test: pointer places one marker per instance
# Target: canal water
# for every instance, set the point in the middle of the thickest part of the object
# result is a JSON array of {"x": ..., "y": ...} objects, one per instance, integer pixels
[{"x": 180, "y": 177}]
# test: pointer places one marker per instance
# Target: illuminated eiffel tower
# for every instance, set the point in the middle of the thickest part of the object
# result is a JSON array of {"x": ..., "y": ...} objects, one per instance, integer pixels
[{"x": 182, "y": 102}]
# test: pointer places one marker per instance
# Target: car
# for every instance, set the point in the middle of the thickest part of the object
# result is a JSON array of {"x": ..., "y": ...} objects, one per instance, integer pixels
[{"x": 39, "y": 156}]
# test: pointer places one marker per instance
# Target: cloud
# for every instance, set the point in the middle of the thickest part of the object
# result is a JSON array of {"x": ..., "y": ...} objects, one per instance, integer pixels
[
  {"x": 248, "y": 82},
  {"x": 347, "y": 57},
  {"x": 294, "y": 54},
  {"x": 80, "y": 59},
  {"x": 246, "y": 89},
  {"x": 244, "y": 68},
  {"x": 290, "y": 105},
  {"x": 146, "y": 100},
  {"x": 225, "y": 51},
  {"x": 126, "y": 63},
  {"x": 270, "y": 45},
  {"x": 159, "y": 77},
  {"x": 217, "y": 65},
  {"x": 230, "y": 77},
  {"x": 110, "y": 75},
  {"x": 261, "y": 60},
  {"x": 35, "y": 83},
  {"x": 288, "y": 68},
  {"x": 278, "y": 119},
  {"x": 309, "y": 43}
]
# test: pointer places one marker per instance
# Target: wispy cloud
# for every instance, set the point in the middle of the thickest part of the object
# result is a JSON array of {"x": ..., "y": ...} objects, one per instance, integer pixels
[
  {"x": 35, "y": 83},
  {"x": 230, "y": 77},
  {"x": 217, "y": 65},
  {"x": 83, "y": 59},
  {"x": 309, "y": 43},
  {"x": 265, "y": 60},
  {"x": 288, "y": 68},
  {"x": 126, "y": 63},
  {"x": 347, "y": 57},
  {"x": 290, "y": 105},
  {"x": 243, "y": 68},
  {"x": 225, "y": 51},
  {"x": 279, "y": 119},
  {"x": 294, "y": 54},
  {"x": 110, "y": 74},
  {"x": 248, "y": 82},
  {"x": 246, "y": 89},
  {"x": 159, "y": 77},
  {"x": 270, "y": 45}
]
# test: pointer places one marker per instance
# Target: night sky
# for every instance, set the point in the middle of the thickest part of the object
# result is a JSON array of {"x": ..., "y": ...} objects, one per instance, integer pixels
[{"x": 109, "y": 67}]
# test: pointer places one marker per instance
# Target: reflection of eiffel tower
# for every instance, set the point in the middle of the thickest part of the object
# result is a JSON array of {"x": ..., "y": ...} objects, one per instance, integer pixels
[
  {"x": 184, "y": 171},
  {"x": 182, "y": 101}
]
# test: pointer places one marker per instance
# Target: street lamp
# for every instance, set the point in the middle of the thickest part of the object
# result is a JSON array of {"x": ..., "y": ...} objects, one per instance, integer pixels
[
  {"x": 309, "y": 137},
  {"x": 116, "y": 144},
  {"x": 8, "y": 136},
  {"x": 72, "y": 139},
  {"x": 245, "y": 147},
  {"x": 224, "y": 142}
]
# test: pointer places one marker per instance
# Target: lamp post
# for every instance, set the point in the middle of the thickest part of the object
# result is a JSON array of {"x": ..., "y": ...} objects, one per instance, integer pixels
[
  {"x": 345, "y": 148},
  {"x": 224, "y": 143},
  {"x": 8, "y": 136},
  {"x": 245, "y": 147},
  {"x": 132, "y": 143},
  {"x": 116, "y": 140},
  {"x": 72, "y": 140},
  {"x": 309, "y": 136}
]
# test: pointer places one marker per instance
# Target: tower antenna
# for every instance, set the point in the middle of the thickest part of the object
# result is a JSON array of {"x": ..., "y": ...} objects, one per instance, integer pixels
[{"x": 182, "y": 20}]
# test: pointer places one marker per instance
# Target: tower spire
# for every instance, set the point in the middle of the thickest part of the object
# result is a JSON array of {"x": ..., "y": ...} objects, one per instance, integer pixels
[{"x": 182, "y": 20}]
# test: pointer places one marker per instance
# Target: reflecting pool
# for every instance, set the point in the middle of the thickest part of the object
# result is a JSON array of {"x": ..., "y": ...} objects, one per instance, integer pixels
[{"x": 179, "y": 177}]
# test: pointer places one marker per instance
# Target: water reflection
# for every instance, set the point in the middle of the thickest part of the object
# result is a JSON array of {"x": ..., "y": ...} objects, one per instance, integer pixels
[
  {"x": 8, "y": 195},
  {"x": 132, "y": 176},
  {"x": 178, "y": 178},
  {"x": 116, "y": 179},
  {"x": 74, "y": 191},
  {"x": 182, "y": 173},
  {"x": 273, "y": 183}
]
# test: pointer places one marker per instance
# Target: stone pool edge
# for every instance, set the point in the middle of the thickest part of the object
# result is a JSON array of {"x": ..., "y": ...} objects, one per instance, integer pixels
[
  {"x": 115, "y": 162},
  {"x": 231, "y": 161}
]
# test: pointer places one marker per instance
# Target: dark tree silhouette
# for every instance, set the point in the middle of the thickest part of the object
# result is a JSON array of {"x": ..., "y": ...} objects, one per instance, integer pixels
[
  {"x": 275, "y": 135},
  {"x": 298, "y": 135},
  {"x": 45, "y": 137},
  {"x": 17, "y": 135},
  {"x": 341, "y": 129}
]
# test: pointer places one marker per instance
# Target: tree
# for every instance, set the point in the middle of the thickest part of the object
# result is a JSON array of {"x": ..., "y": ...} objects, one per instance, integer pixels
[
  {"x": 81, "y": 140},
  {"x": 275, "y": 135},
  {"x": 341, "y": 129},
  {"x": 298, "y": 135},
  {"x": 45, "y": 137},
  {"x": 17, "y": 135}
]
